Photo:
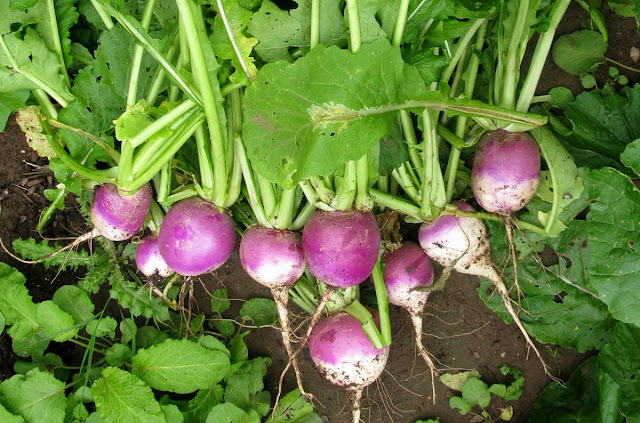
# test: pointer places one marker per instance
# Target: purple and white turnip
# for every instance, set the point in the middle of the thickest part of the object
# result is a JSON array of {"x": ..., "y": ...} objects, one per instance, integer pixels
[
  {"x": 149, "y": 260},
  {"x": 345, "y": 356},
  {"x": 196, "y": 237}
]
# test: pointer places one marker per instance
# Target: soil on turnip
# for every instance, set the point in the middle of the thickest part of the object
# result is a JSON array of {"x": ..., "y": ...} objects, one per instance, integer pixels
[{"x": 459, "y": 330}]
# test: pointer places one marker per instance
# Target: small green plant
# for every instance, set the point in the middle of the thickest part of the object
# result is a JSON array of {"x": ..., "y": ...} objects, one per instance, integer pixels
[{"x": 476, "y": 394}]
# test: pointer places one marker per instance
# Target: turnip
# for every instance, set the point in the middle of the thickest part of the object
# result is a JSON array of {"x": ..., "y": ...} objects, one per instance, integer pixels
[
  {"x": 345, "y": 356},
  {"x": 149, "y": 260},
  {"x": 115, "y": 216},
  {"x": 274, "y": 258},
  {"x": 461, "y": 243},
  {"x": 407, "y": 270},
  {"x": 506, "y": 171},
  {"x": 196, "y": 237}
]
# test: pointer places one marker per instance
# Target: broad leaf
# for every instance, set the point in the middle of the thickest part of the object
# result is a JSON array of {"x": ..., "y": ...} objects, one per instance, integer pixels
[
  {"x": 261, "y": 311},
  {"x": 282, "y": 141},
  {"x": 118, "y": 354},
  {"x": 105, "y": 326},
  {"x": 614, "y": 242},
  {"x": 9, "y": 103},
  {"x": 578, "y": 52},
  {"x": 220, "y": 301},
  {"x": 291, "y": 408},
  {"x": 74, "y": 301},
  {"x": 7, "y": 417},
  {"x": 245, "y": 386},
  {"x": 180, "y": 366},
  {"x": 229, "y": 413},
  {"x": 55, "y": 323},
  {"x": 631, "y": 156},
  {"x": 36, "y": 396},
  {"x": 200, "y": 405},
  {"x": 122, "y": 397},
  {"x": 15, "y": 302}
]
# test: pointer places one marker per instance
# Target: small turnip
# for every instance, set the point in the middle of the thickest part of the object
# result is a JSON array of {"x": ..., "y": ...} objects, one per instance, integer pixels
[
  {"x": 149, "y": 260},
  {"x": 116, "y": 216},
  {"x": 195, "y": 237}
]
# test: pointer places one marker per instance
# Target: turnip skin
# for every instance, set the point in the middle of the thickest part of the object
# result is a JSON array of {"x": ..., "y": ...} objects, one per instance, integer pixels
[
  {"x": 506, "y": 171},
  {"x": 195, "y": 237},
  {"x": 407, "y": 269},
  {"x": 341, "y": 247},
  {"x": 116, "y": 216},
  {"x": 272, "y": 257},
  {"x": 149, "y": 260},
  {"x": 343, "y": 354}
]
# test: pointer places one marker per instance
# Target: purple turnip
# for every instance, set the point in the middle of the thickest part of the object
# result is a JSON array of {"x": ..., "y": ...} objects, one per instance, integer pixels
[
  {"x": 341, "y": 247},
  {"x": 407, "y": 270},
  {"x": 195, "y": 237},
  {"x": 274, "y": 258},
  {"x": 461, "y": 243},
  {"x": 506, "y": 171},
  {"x": 149, "y": 260},
  {"x": 116, "y": 216},
  {"x": 345, "y": 356}
]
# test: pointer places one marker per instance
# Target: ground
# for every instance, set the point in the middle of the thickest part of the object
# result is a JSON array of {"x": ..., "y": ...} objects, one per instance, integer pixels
[{"x": 459, "y": 330}]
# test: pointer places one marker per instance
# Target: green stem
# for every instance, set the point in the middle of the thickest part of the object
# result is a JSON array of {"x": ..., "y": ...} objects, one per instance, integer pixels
[
  {"x": 326, "y": 195},
  {"x": 396, "y": 203},
  {"x": 401, "y": 21},
  {"x": 471, "y": 108},
  {"x": 201, "y": 75},
  {"x": 364, "y": 316},
  {"x": 157, "y": 216},
  {"x": 136, "y": 62},
  {"x": 57, "y": 47},
  {"x": 621, "y": 65},
  {"x": 104, "y": 15},
  {"x": 46, "y": 106},
  {"x": 450, "y": 137},
  {"x": 101, "y": 176},
  {"x": 383, "y": 303},
  {"x": 461, "y": 48},
  {"x": 315, "y": 23},
  {"x": 301, "y": 302},
  {"x": 302, "y": 217},
  {"x": 454, "y": 211},
  {"x": 254, "y": 196},
  {"x": 363, "y": 201},
  {"x": 401, "y": 176},
  {"x": 313, "y": 198},
  {"x": 429, "y": 150},
  {"x": 168, "y": 119},
  {"x": 347, "y": 190},
  {"x": 268, "y": 197},
  {"x": 411, "y": 139},
  {"x": 160, "y": 76},
  {"x": 164, "y": 186},
  {"x": 540, "y": 56},
  {"x": 354, "y": 25},
  {"x": 206, "y": 173},
  {"x": 509, "y": 81},
  {"x": 161, "y": 158},
  {"x": 284, "y": 217}
]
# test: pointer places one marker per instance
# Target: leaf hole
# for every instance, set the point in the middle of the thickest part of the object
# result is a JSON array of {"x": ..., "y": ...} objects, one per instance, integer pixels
[{"x": 559, "y": 297}]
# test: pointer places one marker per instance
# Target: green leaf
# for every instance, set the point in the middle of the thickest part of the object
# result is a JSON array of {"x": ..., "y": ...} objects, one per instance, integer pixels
[
  {"x": 261, "y": 311},
  {"x": 610, "y": 397},
  {"x": 238, "y": 18},
  {"x": 38, "y": 397},
  {"x": 220, "y": 301},
  {"x": 282, "y": 142},
  {"x": 457, "y": 403},
  {"x": 148, "y": 336},
  {"x": 7, "y": 417},
  {"x": 507, "y": 413},
  {"x": 621, "y": 360},
  {"x": 99, "y": 270},
  {"x": 15, "y": 302},
  {"x": 292, "y": 408},
  {"x": 50, "y": 363},
  {"x": 624, "y": 8},
  {"x": 29, "y": 64},
  {"x": 579, "y": 52},
  {"x": 78, "y": 414},
  {"x": 83, "y": 394},
  {"x": 561, "y": 97},
  {"x": 180, "y": 366},
  {"x": 214, "y": 344},
  {"x": 75, "y": 302},
  {"x": 118, "y": 354},
  {"x": 393, "y": 150},
  {"x": 245, "y": 386},
  {"x": 136, "y": 296},
  {"x": 32, "y": 250},
  {"x": 55, "y": 323},
  {"x": 9, "y": 103},
  {"x": 229, "y": 413},
  {"x": 602, "y": 124},
  {"x": 428, "y": 64},
  {"x": 200, "y": 405},
  {"x": 225, "y": 327},
  {"x": 561, "y": 184},
  {"x": 476, "y": 392},
  {"x": 278, "y": 31},
  {"x": 631, "y": 156},
  {"x": 456, "y": 381},
  {"x": 128, "y": 329},
  {"x": 574, "y": 402},
  {"x": 513, "y": 391},
  {"x": 238, "y": 348},
  {"x": 105, "y": 326},
  {"x": 33, "y": 345},
  {"x": 122, "y": 397},
  {"x": 556, "y": 312},
  {"x": 172, "y": 413},
  {"x": 2, "y": 323},
  {"x": 614, "y": 240}
]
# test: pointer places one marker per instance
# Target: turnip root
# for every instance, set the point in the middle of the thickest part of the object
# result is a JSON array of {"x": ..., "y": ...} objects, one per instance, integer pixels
[
  {"x": 116, "y": 216},
  {"x": 149, "y": 260},
  {"x": 461, "y": 243},
  {"x": 274, "y": 258},
  {"x": 408, "y": 269},
  {"x": 345, "y": 356},
  {"x": 195, "y": 237}
]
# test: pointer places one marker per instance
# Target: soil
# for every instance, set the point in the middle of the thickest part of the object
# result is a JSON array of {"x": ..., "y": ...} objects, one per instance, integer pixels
[{"x": 459, "y": 330}]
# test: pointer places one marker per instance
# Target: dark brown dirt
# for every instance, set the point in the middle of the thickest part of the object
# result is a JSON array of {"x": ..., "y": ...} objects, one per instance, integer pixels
[{"x": 460, "y": 331}]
